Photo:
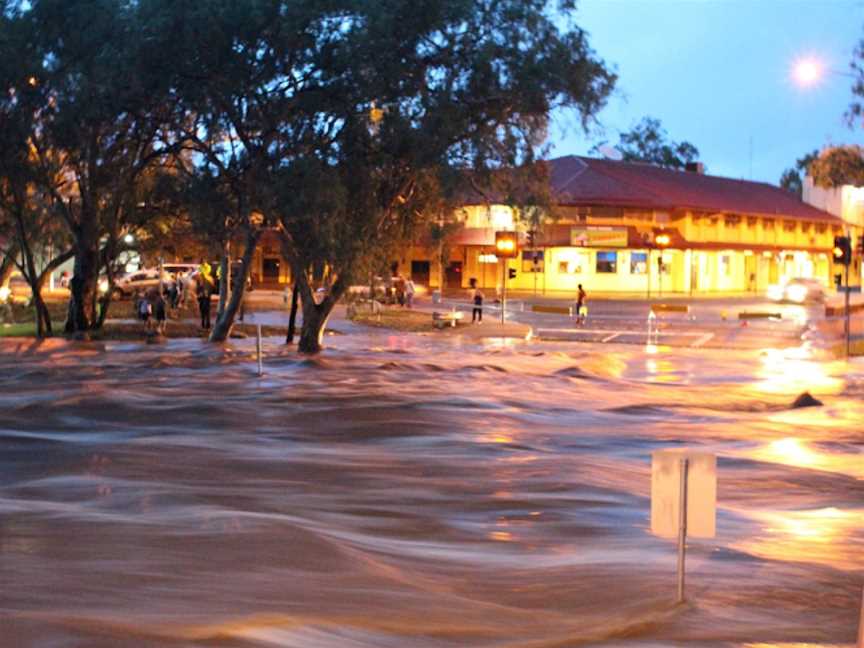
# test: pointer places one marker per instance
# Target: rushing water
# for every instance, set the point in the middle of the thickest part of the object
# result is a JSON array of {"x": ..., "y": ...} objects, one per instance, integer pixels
[{"x": 409, "y": 491}]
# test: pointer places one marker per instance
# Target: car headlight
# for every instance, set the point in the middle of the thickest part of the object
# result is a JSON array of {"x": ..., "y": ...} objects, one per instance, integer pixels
[{"x": 797, "y": 294}]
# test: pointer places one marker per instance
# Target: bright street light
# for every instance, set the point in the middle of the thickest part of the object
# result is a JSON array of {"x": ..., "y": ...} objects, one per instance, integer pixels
[{"x": 807, "y": 72}]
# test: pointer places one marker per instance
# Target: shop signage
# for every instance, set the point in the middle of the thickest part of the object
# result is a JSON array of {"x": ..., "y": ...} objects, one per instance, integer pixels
[{"x": 598, "y": 236}]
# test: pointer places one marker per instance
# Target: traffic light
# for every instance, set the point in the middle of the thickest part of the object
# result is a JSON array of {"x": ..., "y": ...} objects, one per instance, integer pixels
[
  {"x": 842, "y": 250},
  {"x": 506, "y": 244},
  {"x": 511, "y": 273}
]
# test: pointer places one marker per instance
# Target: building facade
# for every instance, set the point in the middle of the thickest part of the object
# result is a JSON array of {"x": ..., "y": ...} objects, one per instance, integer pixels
[{"x": 622, "y": 227}]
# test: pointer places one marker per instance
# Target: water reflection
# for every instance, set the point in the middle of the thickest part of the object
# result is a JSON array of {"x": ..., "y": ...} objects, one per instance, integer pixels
[{"x": 828, "y": 536}]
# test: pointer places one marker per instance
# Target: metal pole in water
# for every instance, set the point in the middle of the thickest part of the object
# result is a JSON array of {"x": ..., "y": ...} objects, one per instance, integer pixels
[
  {"x": 682, "y": 528},
  {"x": 861, "y": 623},
  {"x": 259, "y": 349}
]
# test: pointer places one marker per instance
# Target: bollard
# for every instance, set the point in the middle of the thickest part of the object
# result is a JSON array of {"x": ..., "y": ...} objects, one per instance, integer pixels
[{"x": 259, "y": 346}]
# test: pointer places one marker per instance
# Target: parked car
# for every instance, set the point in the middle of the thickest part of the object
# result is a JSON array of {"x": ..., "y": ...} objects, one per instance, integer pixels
[
  {"x": 799, "y": 290},
  {"x": 129, "y": 284},
  {"x": 147, "y": 278}
]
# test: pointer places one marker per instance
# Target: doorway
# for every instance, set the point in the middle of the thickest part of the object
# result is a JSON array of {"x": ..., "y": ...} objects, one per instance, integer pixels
[
  {"x": 270, "y": 270},
  {"x": 454, "y": 275},
  {"x": 420, "y": 272}
]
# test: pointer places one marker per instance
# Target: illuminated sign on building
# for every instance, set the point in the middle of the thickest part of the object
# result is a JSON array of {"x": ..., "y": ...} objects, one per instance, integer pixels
[{"x": 598, "y": 236}]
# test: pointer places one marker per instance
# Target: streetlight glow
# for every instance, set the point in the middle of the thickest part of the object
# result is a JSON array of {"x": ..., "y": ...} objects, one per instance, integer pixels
[{"x": 807, "y": 72}]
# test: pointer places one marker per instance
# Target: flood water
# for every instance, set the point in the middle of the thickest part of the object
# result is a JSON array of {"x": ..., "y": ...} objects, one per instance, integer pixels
[{"x": 420, "y": 492}]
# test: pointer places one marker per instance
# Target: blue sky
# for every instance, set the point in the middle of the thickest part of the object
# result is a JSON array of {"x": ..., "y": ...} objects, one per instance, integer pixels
[{"x": 717, "y": 73}]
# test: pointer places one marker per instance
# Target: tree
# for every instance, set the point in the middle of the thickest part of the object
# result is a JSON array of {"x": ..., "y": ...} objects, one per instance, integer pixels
[
  {"x": 838, "y": 165},
  {"x": 418, "y": 90},
  {"x": 792, "y": 178},
  {"x": 649, "y": 142},
  {"x": 100, "y": 129}
]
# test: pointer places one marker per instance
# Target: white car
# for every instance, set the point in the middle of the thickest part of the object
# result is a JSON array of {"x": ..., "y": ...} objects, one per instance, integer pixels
[
  {"x": 797, "y": 291},
  {"x": 147, "y": 278}
]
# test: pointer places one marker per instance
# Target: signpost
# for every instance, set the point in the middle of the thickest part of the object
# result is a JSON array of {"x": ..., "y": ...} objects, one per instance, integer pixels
[
  {"x": 259, "y": 351},
  {"x": 683, "y": 500}
]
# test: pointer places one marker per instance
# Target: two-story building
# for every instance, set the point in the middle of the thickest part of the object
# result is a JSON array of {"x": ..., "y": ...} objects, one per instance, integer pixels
[{"x": 624, "y": 227}]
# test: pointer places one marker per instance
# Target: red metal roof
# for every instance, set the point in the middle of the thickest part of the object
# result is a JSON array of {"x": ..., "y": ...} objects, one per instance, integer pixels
[{"x": 588, "y": 181}]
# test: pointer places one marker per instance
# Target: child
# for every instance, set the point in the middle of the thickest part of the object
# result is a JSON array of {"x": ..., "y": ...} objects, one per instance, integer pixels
[{"x": 145, "y": 310}]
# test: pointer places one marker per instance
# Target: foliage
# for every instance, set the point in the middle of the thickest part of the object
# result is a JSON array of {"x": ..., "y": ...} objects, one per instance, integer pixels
[
  {"x": 649, "y": 142},
  {"x": 837, "y": 166},
  {"x": 792, "y": 178}
]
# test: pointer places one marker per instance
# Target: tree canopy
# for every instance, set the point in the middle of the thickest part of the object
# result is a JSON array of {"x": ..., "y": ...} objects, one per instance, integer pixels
[
  {"x": 339, "y": 123},
  {"x": 792, "y": 179},
  {"x": 649, "y": 142},
  {"x": 838, "y": 165}
]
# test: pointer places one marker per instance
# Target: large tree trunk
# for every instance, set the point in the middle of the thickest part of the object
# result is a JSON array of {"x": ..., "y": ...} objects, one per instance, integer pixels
[
  {"x": 315, "y": 316},
  {"x": 83, "y": 295},
  {"x": 225, "y": 319},
  {"x": 292, "y": 318}
]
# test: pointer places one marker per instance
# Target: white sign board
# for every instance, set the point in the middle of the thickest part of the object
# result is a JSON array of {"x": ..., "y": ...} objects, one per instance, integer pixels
[{"x": 666, "y": 493}]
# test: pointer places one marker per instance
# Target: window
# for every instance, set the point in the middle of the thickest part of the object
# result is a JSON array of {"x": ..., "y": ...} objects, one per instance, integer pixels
[
  {"x": 788, "y": 226},
  {"x": 532, "y": 261},
  {"x": 607, "y": 262},
  {"x": 572, "y": 262},
  {"x": 768, "y": 223},
  {"x": 725, "y": 265},
  {"x": 638, "y": 263}
]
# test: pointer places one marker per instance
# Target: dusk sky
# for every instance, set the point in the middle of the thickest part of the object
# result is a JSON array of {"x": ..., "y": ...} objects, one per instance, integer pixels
[{"x": 717, "y": 74}]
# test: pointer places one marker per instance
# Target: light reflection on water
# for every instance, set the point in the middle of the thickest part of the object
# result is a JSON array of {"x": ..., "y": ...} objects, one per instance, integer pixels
[{"x": 403, "y": 491}]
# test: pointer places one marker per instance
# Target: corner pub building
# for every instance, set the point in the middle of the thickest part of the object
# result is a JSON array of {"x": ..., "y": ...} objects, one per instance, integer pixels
[{"x": 623, "y": 227}]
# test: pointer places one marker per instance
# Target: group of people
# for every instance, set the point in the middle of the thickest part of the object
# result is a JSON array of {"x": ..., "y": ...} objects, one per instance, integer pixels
[
  {"x": 152, "y": 309},
  {"x": 404, "y": 291},
  {"x": 152, "y": 306}
]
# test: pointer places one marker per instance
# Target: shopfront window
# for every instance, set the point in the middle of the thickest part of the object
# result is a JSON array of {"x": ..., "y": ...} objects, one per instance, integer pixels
[
  {"x": 725, "y": 265},
  {"x": 638, "y": 263},
  {"x": 607, "y": 262},
  {"x": 572, "y": 262}
]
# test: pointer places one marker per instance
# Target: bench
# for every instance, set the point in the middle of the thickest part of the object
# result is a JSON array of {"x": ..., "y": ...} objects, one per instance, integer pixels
[
  {"x": 751, "y": 315},
  {"x": 670, "y": 308},
  {"x": 440, "y": 320},
  {"x": 555, "y": 310}
]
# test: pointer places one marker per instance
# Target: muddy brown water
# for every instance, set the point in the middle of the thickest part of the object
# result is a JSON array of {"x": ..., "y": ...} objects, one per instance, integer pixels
[{"x": 411, "y": 491}]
